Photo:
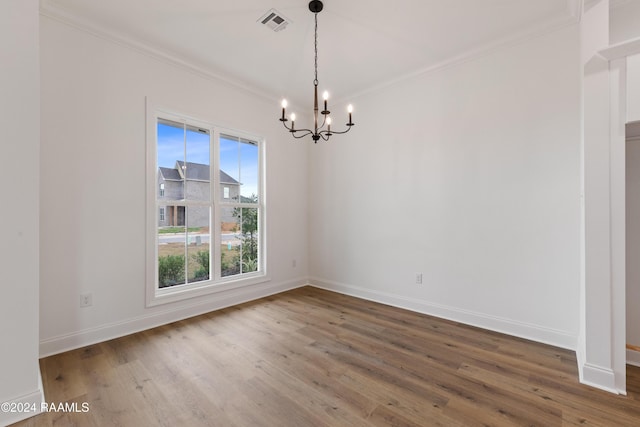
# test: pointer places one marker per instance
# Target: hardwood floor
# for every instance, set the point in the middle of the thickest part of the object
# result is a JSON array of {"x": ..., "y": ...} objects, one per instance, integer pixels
[{"x": 310, "y": 357}]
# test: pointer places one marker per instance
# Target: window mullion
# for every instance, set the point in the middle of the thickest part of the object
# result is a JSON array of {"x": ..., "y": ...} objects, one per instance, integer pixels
[
  {"x": 215, "y": 198},
  {"x": 186, "y": 206}
]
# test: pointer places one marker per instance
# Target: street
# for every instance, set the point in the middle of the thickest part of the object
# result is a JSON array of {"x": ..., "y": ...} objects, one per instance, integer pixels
[{"x": 204, "y": 238}]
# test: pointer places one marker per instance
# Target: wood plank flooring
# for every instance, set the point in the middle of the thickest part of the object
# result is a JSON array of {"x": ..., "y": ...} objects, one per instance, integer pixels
[{"x": 310, "y": 357}]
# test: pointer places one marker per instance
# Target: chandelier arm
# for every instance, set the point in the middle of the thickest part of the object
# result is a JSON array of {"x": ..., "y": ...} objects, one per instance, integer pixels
[
  {"x": 294, "y": 131},
  {"x": 324, "y": 121},
  {"x": 336, "y": 132},
  {"x": 284, "y": 123},
  {"x": 307, "y": 133}
]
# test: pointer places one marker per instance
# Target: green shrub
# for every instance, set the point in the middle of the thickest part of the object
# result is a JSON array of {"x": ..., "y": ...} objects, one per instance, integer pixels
[
  {"x": 202, "y": 258},
  {"x": 249, "y": 265},
  {"x": 230, "y": 266},
  {"x": 170, "y": 270}
]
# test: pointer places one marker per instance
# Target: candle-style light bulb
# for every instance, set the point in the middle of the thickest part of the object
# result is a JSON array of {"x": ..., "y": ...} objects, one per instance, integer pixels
[
  {"x": 350, "y": 110},
  {"x": 325, "y": 96},
  {"x": 284, "y": 106},
  {"x": 293, "y": 120},
  {"x": 329, "y": 125}
]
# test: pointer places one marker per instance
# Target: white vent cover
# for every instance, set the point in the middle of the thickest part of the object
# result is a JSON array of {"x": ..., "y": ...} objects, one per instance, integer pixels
[{"x": 274, "y": 20}]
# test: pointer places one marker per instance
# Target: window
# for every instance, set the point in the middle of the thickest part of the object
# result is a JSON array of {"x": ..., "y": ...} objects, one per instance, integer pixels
[
  {"x": 239, "y": 226},
  {"x": 207, "y": 234}
]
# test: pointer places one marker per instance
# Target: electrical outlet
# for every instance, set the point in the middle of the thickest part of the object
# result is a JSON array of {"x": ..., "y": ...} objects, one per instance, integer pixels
[
  {"x": 418, "y": 278},
  {"x": 86, "y": 300}
]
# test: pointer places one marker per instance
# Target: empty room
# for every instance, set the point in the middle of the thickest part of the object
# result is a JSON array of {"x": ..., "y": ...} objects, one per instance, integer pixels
[{"x": 320, "y": 213}]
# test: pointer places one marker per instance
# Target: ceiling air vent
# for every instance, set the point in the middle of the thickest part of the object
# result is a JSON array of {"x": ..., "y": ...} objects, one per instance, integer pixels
[{"x": 274, "y": 20}]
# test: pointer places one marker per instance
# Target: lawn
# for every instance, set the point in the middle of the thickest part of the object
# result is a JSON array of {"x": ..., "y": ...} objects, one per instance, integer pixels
[{"x": 175, "y": 230}]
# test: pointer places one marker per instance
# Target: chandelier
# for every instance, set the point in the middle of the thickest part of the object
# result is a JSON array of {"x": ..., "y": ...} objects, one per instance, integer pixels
[{"x": 315, "y": 6}]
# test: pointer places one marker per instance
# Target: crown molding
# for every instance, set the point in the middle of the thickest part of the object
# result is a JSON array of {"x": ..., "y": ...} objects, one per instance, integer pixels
[
  {"x": 516, "y": 39},
  {"x": 49, "y": 10}
]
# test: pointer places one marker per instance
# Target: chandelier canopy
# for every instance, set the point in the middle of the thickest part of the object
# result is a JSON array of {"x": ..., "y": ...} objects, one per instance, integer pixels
[{"x": 318, "y": 131}]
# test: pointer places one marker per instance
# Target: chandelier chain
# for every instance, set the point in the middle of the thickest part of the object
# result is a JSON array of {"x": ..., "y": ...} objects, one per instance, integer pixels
[{"x": 315, "y": 81}]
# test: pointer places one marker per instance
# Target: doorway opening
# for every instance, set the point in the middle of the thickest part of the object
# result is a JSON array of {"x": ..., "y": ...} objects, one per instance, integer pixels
[{"x": 633, "y": 243}]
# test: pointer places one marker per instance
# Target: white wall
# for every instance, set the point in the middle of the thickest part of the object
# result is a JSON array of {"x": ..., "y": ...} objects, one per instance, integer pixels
[
  {"x": 633, "y": 88},
  {"x": 20, "y": 123},
  {"x": 93, "y": 184},
  {"x": 624, "y": 27},
  {"x": 624, "y": 21},
  {"x": 469, "y": 175}
]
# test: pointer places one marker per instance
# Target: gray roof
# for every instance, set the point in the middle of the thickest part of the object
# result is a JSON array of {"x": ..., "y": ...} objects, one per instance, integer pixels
[
  {"x": 226, "y": 179},
  {"x": 194, "y": 171},
  {"x": 170, "y": 174}
]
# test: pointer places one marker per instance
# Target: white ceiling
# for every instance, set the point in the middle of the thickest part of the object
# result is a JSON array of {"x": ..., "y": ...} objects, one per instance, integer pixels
[{"x": 363, "y": 44}]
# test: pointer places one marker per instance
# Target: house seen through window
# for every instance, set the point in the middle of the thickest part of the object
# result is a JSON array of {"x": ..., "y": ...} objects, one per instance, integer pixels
[{"x": 210, "y": 208}]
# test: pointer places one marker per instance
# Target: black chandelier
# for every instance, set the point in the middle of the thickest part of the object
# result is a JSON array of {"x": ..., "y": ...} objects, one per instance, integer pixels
[{"x": 318, "y": 132}]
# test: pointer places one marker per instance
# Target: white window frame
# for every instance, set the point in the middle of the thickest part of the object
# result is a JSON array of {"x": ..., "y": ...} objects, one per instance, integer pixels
[
  {"x": 216, "y": 283},
  {"x": 226, "y": 192},
  {"x": 162, "y": 214}
]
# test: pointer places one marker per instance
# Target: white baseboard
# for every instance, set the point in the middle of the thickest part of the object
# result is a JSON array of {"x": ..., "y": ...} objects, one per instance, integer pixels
[
  {"x": 33, "y": 401},
  {"x": 580, "y": 358},
  {"x": 598, "y": 377},
  {"x": 633, "y": 358},
  {"x": 219, "y": 301},
  {"x": 507, "y": 326}
]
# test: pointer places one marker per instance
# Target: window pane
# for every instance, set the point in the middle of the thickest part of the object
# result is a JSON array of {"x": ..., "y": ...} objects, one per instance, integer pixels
[
  {"x": 249, "y": 239},
  {"x": 170, "y": 149},
  {"x": 229, "y": 241},
  {"x": 171, "y": 249},
  {"x": 249, "y": 171},
  {"x": 196, "y": 170},
  {"x": 198, "y": 243},
  {"x": 230, "y": 167}
]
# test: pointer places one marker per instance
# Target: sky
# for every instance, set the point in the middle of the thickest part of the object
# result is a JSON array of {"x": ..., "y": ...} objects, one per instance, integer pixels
[{"x": 237, "y": 159}]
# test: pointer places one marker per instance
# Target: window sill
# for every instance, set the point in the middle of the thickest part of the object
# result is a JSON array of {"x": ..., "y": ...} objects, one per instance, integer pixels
[{"x": 209, "y": 287}]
